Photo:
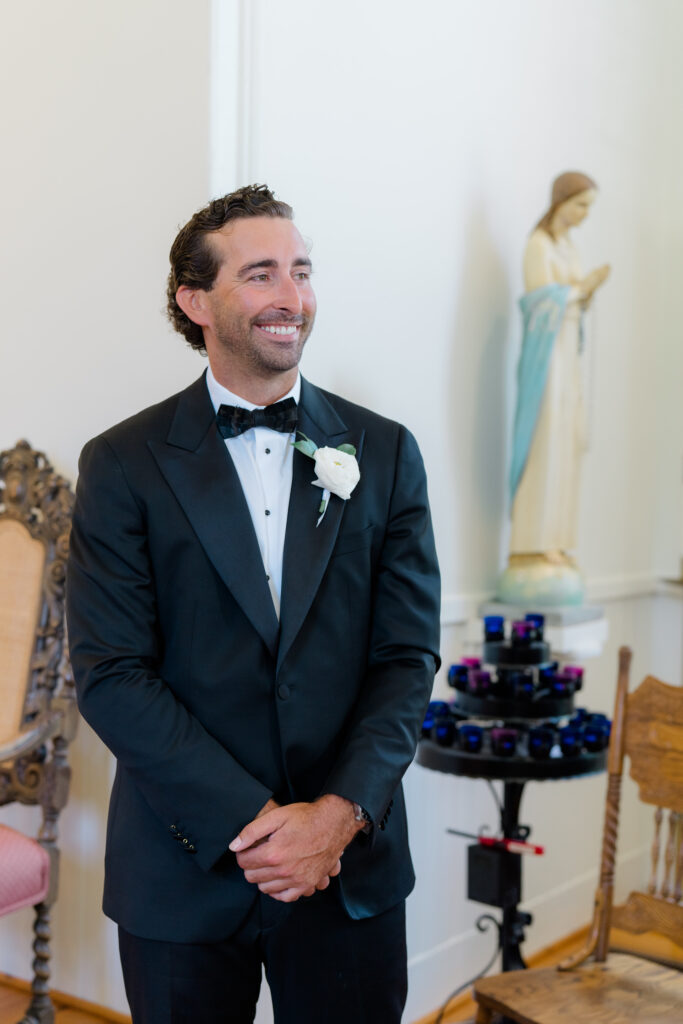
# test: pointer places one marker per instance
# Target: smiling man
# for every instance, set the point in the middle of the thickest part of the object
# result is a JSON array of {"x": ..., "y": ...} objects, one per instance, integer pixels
[{"x": 259, "y": 669}]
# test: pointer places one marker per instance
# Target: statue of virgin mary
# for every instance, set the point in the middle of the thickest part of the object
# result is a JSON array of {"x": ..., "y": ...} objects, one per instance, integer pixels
[{"x": 549, "y": 428}]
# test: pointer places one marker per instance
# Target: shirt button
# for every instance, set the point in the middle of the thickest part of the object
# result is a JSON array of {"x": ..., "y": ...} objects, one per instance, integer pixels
[
  {"x": 267, "y": 451},
  {"x": 267, "y": 511},
  {"x": 283, "y": 691}
]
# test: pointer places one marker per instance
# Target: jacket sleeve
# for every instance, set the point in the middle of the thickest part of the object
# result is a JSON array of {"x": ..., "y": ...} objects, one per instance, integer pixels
[
  {"x": 189, "y": 780},
  {"x": 403, "y": 651}
]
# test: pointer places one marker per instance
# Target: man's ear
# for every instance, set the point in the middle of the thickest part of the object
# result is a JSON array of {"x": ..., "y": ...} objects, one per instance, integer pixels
[{"x": 192, "y": 301}]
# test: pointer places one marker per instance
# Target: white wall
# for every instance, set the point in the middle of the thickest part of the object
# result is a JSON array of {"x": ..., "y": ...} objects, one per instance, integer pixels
[
  {"x": 417, "y": 143},
  {"x": 104, "y": 138}
]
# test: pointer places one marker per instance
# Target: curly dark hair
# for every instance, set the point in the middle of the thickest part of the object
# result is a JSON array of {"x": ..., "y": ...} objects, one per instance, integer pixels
[{"x": 193, "y": 260}]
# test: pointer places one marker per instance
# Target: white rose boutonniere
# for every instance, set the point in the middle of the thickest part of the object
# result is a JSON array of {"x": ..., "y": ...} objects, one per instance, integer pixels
[{"x": 337, "y": 470}]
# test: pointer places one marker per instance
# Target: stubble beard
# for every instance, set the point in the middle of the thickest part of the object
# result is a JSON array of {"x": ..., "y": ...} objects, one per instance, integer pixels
[{"x": 238, "y": 339}]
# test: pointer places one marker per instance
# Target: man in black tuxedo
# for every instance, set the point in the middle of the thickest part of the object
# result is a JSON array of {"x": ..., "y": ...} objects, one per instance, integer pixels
[{"x": 259, "y": 671}]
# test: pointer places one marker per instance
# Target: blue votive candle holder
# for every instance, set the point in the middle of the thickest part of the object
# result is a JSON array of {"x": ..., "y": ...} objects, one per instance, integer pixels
[
  {"x": 493, "y": 628},
  {"x": 444, "y": 731},
  {"x": 571, "y": 741},
  {"x": 471, "y": 738},
  {"x": 457, "y": 677},
  {"x": 595, "y": 736},
  {"x": 541, "y": 740}
]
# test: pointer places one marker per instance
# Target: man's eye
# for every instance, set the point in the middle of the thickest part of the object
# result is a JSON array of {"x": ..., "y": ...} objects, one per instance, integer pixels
[
  {"x": 303, "y": 275},
  {"x": 259, "y": 277}
]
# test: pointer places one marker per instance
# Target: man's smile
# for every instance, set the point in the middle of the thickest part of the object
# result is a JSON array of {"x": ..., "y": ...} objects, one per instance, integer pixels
[{"x": 273, "y": 329}]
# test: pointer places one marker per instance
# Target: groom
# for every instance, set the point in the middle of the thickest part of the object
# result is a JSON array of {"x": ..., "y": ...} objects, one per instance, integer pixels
[{"x": 256, "y": 646}]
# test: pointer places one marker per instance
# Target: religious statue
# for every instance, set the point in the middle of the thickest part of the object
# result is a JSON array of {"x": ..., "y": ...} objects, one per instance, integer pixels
[{"x": 550, "y": 429}]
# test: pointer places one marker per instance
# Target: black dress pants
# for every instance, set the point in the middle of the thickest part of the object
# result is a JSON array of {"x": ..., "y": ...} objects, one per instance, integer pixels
[{"x": 322, "y": 968}]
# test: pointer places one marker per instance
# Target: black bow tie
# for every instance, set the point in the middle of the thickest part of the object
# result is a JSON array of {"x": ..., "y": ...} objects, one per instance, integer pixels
[{"x": 232, "y": 420}]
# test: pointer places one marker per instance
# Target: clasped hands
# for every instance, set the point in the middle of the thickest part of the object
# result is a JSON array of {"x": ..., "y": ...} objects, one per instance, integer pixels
[
  {"x": 592, "y": 282},
  {"x": 293, "y": 850}
]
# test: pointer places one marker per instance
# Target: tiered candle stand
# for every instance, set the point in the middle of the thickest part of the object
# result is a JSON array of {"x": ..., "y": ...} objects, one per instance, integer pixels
[{"x": 515, "y": 722}]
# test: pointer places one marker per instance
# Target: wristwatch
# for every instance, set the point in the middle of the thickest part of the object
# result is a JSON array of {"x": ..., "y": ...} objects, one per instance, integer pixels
[{"x": 361, "y": 814}]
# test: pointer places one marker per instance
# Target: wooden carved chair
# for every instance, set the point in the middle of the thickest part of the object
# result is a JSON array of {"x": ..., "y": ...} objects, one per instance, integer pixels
[
  {"x": 641, "y": 980},
  {"x": 37, "y": 706}
]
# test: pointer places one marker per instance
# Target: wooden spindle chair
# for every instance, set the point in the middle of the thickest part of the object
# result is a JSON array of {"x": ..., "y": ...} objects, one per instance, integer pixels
[
  {"x": 37, "y": 702},
  {"x": 641, "y": 980}
]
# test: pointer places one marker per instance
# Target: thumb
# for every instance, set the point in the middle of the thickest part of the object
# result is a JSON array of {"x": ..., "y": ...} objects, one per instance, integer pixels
[{"x": 254, "y": 831}]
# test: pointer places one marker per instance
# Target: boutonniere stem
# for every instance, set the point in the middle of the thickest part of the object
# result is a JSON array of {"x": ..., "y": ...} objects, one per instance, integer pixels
[{"x": 336, "y": 468}]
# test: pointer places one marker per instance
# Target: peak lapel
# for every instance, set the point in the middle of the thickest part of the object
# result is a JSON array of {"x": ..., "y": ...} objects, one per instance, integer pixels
[
  {"x": 203, "y": 478},
  {"x": 308, "y": 548}
]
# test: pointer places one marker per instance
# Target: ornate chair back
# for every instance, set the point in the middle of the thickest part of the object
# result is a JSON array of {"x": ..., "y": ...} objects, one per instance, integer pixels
[
  {"x": 37, "y": 701},
  {"x": 653, "y": 743},
  {"x": 648, "y": 729}
]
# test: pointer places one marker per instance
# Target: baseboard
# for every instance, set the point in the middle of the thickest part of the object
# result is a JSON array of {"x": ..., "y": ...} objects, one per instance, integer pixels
[
  {"x": 463, "y": 1006},
  {"x": 63, "y": 1001}
]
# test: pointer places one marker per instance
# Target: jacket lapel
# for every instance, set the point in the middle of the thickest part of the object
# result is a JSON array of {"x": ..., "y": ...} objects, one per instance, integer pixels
[
  {"x": 201, "y": 474},
  {"x": 308, "y": 548}
]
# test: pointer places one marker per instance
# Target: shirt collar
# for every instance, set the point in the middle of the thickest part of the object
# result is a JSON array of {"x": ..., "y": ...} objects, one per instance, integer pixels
[{"x": 220, "y": 395}]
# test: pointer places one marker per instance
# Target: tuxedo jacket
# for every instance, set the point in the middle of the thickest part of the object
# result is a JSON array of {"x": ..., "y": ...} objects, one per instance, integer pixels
[{"x": 209, "y": 704}]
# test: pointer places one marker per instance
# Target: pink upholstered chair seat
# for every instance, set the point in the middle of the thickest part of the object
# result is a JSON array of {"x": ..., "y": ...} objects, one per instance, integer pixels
[{"x": 24, "y": 871}]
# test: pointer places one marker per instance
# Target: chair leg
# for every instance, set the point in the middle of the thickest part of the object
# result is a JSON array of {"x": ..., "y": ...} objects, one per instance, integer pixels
[{"x": 41, "y": 1008}]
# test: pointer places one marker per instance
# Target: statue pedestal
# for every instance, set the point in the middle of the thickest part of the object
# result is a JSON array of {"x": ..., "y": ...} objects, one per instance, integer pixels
[
  {"x": 572, "y": 631},
  {"x": 534, "y": 580}
]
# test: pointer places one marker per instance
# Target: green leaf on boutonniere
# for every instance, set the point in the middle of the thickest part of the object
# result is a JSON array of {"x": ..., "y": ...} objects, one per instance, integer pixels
[
  {"x": 348, "y": 448},
  {"x": 306, "y": 446}
]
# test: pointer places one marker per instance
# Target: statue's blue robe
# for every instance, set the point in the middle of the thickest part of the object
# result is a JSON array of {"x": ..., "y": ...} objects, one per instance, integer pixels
[{"x": 542, "y": 312}]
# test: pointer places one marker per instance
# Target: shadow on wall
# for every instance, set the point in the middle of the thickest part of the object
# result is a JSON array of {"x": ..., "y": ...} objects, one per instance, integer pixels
[{"x": 480, "y": 391}]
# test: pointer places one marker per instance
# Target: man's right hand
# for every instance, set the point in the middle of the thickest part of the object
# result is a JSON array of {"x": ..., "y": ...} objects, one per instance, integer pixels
[
  {"x": 322, "y": 882},
  {"x": 294, "y": 850}
]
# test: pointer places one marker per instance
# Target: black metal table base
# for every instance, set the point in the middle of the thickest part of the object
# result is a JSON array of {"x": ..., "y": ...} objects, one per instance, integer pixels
[{"x": 494, "y": 875}]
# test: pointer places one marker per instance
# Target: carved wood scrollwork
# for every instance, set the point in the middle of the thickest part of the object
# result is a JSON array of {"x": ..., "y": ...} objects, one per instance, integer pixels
[{"x": 21, "y": 779}]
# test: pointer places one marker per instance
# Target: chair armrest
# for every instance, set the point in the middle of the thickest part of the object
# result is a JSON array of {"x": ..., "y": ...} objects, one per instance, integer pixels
[{"x": 44, "y": 728}]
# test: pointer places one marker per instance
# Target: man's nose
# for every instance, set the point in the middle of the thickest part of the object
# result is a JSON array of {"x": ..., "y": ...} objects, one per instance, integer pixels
[{"x": 288, "y": 295}]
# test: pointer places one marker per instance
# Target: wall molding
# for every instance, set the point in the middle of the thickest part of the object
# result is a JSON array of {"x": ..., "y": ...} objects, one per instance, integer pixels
[
  {"x": 589, "y": 877},
  {"x": 459, "y": 608},
  {"x": 234, "y": 99}
]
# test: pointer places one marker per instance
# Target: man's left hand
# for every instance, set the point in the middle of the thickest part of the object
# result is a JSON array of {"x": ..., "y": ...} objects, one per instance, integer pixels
[{"x": 302, "y": 848}]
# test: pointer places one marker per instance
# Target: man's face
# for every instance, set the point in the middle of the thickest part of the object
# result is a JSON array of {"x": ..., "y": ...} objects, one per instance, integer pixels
[{"x": 262, "y": 307}]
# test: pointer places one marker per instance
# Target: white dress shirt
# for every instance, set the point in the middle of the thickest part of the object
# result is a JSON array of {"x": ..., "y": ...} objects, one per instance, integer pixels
[{"x": 263, "y": 460}]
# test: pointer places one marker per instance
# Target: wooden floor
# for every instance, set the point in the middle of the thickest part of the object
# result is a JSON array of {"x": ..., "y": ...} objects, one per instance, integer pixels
[
  {"x": 15, "y": 997},
  {"x": 13, "y": 1005}
]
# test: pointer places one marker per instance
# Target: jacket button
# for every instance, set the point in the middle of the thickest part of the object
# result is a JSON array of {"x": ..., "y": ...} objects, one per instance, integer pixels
[
  {"x": 174, "y": 828},
  {"x": 283, "y": 691},
  {"x": 191, "y": 849}
]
